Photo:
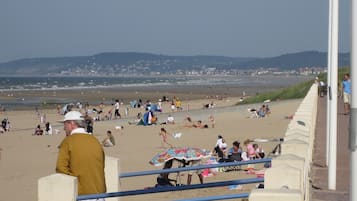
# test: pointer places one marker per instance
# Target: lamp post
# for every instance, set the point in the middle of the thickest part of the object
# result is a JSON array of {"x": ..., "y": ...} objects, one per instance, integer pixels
[
  {"x": 333, "y": 95},
  {"x": 353, "y": 113}
]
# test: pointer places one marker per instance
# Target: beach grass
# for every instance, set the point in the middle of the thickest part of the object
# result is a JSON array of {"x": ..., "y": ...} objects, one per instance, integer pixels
[{"x": 293, "y": 92}]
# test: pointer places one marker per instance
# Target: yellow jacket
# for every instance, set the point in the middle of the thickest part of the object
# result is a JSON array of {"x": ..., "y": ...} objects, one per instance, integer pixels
[{"x": 82, "y": 156}]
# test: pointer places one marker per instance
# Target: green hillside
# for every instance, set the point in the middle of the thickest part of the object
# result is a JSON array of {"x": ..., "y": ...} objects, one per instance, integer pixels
[{"x": 294, "y": 92}]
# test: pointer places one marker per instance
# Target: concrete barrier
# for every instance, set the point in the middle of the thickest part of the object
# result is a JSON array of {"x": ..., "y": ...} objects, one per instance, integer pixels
[
  {"x": 297, "y": 136},
  {"x": 57, "y": 187},
  {"x": 292, "y": 168},
  {"x": 275, "y": 195},
  {"x": 297, "y": 147},
  {"x": 281, "y": 176}
]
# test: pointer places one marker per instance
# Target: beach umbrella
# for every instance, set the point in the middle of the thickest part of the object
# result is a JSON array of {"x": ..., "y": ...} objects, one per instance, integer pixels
[{"x": 187, "y": 154}]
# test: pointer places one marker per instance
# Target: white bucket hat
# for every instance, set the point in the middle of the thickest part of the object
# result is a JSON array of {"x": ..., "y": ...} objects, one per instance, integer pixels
[{"x": 73, "y": 116}]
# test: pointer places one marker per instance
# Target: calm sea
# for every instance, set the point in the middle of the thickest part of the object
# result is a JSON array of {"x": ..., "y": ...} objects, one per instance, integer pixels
[{"x": 61, "y": 83}]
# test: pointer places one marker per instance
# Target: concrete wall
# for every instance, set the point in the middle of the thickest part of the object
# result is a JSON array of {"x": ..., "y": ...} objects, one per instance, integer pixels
[
  {"x": 288, "y": 178},
  {"x": 61, "y": 187}
]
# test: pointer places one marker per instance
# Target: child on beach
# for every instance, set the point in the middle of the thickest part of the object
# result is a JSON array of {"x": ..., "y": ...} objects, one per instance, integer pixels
[
  {"x": 250, "y": 149},
  {"x": 211, "y": 119},
  {"x": 109, "y": 141},
  {"x": 259, "y": 152},
  {"x": 163, "y": 134},
  {"x": 119, "y": 129}
]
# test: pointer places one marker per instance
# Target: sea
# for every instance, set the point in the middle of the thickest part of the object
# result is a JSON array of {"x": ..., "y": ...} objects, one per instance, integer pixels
[{"x": 10, "y": 85}]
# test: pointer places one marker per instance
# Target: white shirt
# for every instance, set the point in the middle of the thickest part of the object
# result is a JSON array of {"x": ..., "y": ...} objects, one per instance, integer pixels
[
  {"x": 79, "y": 131},
  {"x": 219, "y": 142},
  {"x": 170, "y": 119},
  {"x": 117, "y": 105}
]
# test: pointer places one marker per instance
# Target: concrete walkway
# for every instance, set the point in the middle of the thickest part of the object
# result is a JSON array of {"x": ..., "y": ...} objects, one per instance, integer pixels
[{"x": 319, "y": 170}]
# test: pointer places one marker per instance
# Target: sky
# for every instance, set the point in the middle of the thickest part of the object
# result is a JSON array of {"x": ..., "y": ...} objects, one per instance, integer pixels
[{"x": 239, "y": 28}]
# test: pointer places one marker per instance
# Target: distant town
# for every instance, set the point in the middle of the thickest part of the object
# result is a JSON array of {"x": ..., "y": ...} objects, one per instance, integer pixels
[
  {"x": 137, "y": 70},
  {"x": 143, "y": 64}
]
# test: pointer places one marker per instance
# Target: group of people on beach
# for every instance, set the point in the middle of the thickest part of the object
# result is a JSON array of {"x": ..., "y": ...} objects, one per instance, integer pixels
[
  {"x": 199, "y": 124},
  {"x": 48, "y": 130},
  {"x": 263, "y": 111},
  {"x": 250, "y": 151}
]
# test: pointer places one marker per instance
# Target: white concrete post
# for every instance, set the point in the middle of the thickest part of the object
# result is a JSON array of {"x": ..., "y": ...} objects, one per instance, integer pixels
[
  {"x": 276, "y": 195},
  {"x": 283, "y": 175},
  {"x": 112, "y": 170},
  {"x": 57, "y": 187}
]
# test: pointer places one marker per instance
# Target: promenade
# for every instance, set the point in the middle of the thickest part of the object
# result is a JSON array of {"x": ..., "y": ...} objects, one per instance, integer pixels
[{"x": 319, "y": 170}]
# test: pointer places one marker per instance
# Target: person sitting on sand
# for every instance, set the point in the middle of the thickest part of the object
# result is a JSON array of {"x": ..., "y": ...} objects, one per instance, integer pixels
[
  {"x": 235, "y": 153},
  {"x": 178, "y": 104},
  {"x": 262, "y": 112},
  {"x": 199, "y": 125},
  {"x": 89, "y": 123},
  {"x": 119, "y": 129},
  {"x": 163, "y": 179},
  {"x": 259, "y": 152},
  {"x": 163, "y": 134},
  {"x": 38, "y": 130},
  {"x": 249, "y": 149},
  {"x": 267, "y": 110},
  {"x": 253, "y": 113},
  {"x": 137, "y": 120},
  {"x": 109, "y": 141},
  {"x": 188, "y": 122},
  {"x": 170, "y": 119},
  {"x": 221, "y": 149}
]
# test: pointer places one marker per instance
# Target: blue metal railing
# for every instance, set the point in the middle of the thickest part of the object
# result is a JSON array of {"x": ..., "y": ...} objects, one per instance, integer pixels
[
  {"x": 182, "y": 188},
  {"x": 218, "y": 197},
  {"x": 170, "y": 188},
  {"x": 199, "y": 167}
]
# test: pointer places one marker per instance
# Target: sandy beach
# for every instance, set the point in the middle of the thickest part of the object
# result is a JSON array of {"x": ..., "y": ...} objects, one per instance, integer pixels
[{"x": 26, "y": 158}]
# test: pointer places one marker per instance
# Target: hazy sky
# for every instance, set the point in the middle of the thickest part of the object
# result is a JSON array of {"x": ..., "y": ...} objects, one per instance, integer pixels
[{"x": 48, "y": 28}]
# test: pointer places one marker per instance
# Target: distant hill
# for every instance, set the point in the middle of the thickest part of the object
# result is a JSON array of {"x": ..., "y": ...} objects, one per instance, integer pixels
[
  {"x": 297, "y": 60},
  {"x": 133, "y": 62}
]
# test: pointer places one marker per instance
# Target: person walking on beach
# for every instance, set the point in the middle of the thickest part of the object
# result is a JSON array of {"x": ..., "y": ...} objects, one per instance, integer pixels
[
  {"x": 116, "y": 107},
  {"x": 163, "y": 134},
  {"x": 81, "y": 155},
  {"x": 346, "y": 87}
]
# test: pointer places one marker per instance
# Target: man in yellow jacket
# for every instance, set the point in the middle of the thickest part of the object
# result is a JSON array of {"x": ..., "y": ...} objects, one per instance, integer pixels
[{"x": 82, "y": 156}]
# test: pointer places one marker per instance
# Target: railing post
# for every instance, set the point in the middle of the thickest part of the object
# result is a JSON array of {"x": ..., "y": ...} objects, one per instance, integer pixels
[
  {"x": 57, "y": 187},
  {"x": 112, "y": 170}
]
